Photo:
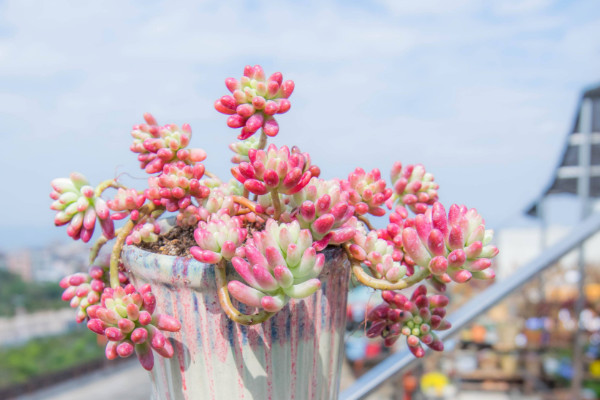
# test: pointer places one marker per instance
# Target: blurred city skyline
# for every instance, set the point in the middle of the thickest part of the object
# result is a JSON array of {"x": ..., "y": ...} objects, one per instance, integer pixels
[{"x": 482, "y": 93}]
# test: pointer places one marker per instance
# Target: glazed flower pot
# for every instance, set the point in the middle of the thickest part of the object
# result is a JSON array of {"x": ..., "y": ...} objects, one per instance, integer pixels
[{"x": 296, "y": 354}]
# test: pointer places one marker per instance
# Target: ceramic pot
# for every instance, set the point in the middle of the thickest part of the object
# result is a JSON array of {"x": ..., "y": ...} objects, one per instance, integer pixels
[{"x": 296, "y": 354}]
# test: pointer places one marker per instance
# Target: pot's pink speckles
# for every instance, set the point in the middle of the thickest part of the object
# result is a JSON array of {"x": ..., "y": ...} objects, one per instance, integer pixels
[
  {"x": 293, "y": 348},
  {"x": 220, "y": 338},
  {"x": 268, "y": 359},
  {"x": 166, "y": 383},
  {"x": 238, "y": 354},
  {"x": 203, "y": 323},
  {"x": 317, "y": 321}
]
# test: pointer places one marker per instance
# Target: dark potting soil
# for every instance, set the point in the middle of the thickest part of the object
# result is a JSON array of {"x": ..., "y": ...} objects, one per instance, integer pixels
[{"x": 176, "y": 242}]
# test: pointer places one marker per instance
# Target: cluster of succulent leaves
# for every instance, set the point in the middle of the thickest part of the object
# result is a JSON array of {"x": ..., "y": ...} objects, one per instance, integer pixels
[{"x": 271, "y": 222}]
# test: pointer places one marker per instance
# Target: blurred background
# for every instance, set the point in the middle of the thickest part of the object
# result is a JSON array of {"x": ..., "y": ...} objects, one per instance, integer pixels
[{"x": 496, "y": 98}]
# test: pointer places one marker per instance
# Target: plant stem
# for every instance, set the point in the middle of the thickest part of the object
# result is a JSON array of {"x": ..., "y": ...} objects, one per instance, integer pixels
[
  {"x": 211, "y": 175},
  {"x": 366, "y": 221},
  {"x": 249, "y": 204},
  {"x": 276, "y": 203},
  {"x": 233, "y": 313},
  {"x": 110, "y": 183},
  {"x": 246, "y": 193},
  {"x": 123, "y": 233},
  {"x": 245, "y": 202},
  {"x": 262, "y": 143},
  {"x": 98, "y": 245},
  {"x": 116, "y": 253}
]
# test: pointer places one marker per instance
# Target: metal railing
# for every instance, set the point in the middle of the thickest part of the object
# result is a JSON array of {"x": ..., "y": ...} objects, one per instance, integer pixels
[{"x": 474, "y": 308}]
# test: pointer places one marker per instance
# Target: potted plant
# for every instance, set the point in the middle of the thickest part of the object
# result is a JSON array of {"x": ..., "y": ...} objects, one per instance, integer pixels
[{"x": 248, "y": 298}]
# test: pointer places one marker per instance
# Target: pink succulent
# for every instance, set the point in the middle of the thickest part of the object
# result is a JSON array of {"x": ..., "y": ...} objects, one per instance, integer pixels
[
  {"x": 393, "y": 234},
  {"x": 218, "y": 238},
  {"x": 254, "y": 100},
  {"x": 455, "y": 247},
  {"x": 242, "y": 147},
  {"x": 281, "y": 263},
  {"x": 324, "y": 208},
  {"x": 275, "y": 170},
  {"x": 379, "y": 255},
  {"x": 176, "y": 185},
  {"x": 126, "y": 202},
  {"x": 416, "y": 319},
  {"x": 160, "y": 145},
  {"x": 367, "y": 191},
  {"x": 125, "y": 318},
  {"x": 83, "y": 290},
  {"x": 146, "y": 232},
  {"x": 76, "y": 203},
  {"x": 414, "y": 187},
  {"x": 220, "y": 199}
]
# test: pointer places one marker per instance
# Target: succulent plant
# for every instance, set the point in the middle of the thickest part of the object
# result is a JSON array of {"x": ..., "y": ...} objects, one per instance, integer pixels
[
  {"x": 254, "y": 100},
  {"x": 158, "y": 146},
  {"x": 414, "y": 187},
  {"x": 218, "y": 238},
  {"x": 274, "y": 170},
  {"x": 83, "y": 290},
  {"x": 379, "y": 255},
  {"x": 281, "y": 263},
  {"x": 125, "y": 318},
  {"x": 455, "y": 247},
  {"x": 126, "y": 202},
  {"x": 176, "y": 185},
  {"x": 271, "y": 223},
  {"x": 76, "y": 203},
  {"x": 368, "y": 192},
  {"x": 324, "y": 209},
  {"x": 416, "y": 319},
  {"x": 242, "y": 148}
]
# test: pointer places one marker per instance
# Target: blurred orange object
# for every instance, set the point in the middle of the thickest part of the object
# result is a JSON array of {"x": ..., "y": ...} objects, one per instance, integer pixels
[
  {"x": 592, "y": 291},
  {"x": 410, "y": 382},
  {"x": 478, "y": 333}
]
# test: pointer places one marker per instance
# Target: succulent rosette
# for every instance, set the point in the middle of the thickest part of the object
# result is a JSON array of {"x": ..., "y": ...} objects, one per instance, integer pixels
[
  {"x": 416, "y": 319},
  {"x": 414, "y": 187},
  {"x": 393, "y": 234},
  {"x": 220, "y": 198},
  {"x": 368, "y": 192},
  {"x": 146, "y": 232},
  {"x": 324, "y": 208},
  {"x": 254, "y": 100},
  {"x": 275, "y": 170},
  {"x": 455, "y": 247},
  {"x": 126, "y": 202},
  {"x": 77, "y": 204},
  {"x": 125, "y": 318},
  {"x": 242, "y": 147},
  {"x": 160, "y": 145},
  {"x": 176, "y": 185},
  {"x": 218, "y": 238},
  {"x": 377, "y": 254},
  {"x": 83, "y": 290},
  {"x": 281, "y": 263}
]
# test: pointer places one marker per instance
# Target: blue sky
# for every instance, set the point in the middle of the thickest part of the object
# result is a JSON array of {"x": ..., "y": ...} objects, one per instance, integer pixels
[{"x": 481, "y": 92}]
